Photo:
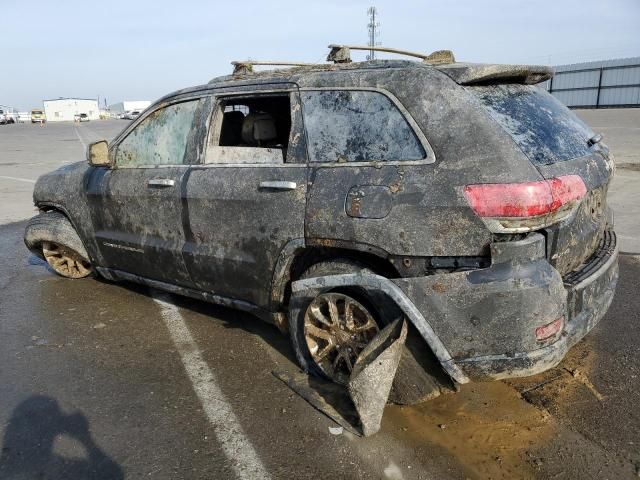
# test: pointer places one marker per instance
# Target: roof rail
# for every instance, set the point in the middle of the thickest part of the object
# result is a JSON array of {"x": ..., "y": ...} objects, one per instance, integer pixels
[
  {"x": 246, "y": 66},
  {"x": 342, "y": 54}
]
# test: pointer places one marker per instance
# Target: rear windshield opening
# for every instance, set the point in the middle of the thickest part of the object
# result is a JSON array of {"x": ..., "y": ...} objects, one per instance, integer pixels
[{"x": 545, "y": 130}]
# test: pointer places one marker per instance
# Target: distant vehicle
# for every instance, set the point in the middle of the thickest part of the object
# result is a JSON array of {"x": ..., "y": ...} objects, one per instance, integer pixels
[
  {"x": 81, "y": 117},
  {"x": 132, "y": 115},
  {"x": 6, "y": 117},
  {"x": 38, "y": 116}
]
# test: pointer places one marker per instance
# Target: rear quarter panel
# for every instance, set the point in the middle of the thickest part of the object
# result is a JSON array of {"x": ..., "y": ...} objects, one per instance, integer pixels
[{"x": 429, "y": 215}]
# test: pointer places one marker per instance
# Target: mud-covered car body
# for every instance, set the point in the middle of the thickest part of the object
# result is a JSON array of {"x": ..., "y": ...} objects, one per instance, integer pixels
[{"x": 373, "y": 162}]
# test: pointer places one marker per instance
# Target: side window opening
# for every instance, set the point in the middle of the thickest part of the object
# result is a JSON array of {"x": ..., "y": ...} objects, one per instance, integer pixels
[
  {"x": 357, "y": 126},
  {"x": 251, "y": 130}
]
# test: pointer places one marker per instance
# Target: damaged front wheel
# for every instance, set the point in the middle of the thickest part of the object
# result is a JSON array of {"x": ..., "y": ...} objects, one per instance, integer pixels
[
  {"x": 65, "y": 261},
  {"x": 51, "y": 236}
]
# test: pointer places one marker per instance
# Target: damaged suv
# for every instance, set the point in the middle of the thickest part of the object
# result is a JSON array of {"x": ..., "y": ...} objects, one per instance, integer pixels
[{"x": 332, "y": 199}]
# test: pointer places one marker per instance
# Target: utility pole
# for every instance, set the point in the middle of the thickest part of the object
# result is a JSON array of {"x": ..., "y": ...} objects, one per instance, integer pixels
[{"x": 373, "y": 26}]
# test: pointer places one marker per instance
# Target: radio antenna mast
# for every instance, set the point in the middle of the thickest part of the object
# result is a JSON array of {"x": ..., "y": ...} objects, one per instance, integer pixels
[{"x": 373, "y": 27}]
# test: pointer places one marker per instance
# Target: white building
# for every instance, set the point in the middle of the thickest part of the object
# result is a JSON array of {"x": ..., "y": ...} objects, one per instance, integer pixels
[
  {"x": 129, "y": 106},
  {"x": 63, "y": 109}
]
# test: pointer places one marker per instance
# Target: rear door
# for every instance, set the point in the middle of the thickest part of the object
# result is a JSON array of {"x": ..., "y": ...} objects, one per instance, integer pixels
[
  {"x": 246, "y": 203},
  {"x": 557, "y": 143},
  {"x": 136, "y": 206}
]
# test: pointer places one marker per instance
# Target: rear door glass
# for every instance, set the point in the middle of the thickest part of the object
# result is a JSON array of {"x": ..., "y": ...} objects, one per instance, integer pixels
[
  {"x": 545, "y": 130},
  {"x": 357, "y": 126}
]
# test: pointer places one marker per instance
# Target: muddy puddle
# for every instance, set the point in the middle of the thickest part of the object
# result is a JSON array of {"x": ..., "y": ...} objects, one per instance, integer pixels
[
  {"x": 496, "y": 429},
  {"x": 566, "y": 385},
  {"x": 487, "y": 427}
]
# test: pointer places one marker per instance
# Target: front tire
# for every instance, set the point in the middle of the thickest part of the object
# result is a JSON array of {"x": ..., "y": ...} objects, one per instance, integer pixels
[
  {"x": 64, "y": 261},
  {"x": 51, "y": 236}
]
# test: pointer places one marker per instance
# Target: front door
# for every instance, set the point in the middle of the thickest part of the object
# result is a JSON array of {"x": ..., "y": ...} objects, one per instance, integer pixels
[
  {"x": 247, "y": 202},
  {"x": 137, "y": 205}
]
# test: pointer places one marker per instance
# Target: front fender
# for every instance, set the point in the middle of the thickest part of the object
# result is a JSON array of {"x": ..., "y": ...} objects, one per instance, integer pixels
[{"x": 64, "y": 190}]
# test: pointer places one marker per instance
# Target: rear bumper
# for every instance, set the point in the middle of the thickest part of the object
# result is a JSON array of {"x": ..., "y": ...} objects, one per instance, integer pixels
[
  {"x": 590, "y": 292},
  {"x": 481, "y": 324}
]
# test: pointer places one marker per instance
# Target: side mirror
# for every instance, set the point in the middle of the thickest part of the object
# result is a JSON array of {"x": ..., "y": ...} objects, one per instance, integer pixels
[{"x": 98, "y": 154}]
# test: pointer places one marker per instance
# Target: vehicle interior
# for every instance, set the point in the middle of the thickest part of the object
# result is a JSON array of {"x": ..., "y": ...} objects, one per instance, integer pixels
[{"x": 244, "y": 124}]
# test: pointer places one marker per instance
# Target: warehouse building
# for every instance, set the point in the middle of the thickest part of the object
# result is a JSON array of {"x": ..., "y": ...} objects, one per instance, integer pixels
[
  {"x": 129, "y": 106},
  {"x": 64, "y": 109},
  {"x": 601, "y": 84}
]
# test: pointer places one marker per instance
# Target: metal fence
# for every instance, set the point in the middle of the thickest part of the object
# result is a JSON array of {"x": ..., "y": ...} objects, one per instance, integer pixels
[{"x": 610, "y": 83}]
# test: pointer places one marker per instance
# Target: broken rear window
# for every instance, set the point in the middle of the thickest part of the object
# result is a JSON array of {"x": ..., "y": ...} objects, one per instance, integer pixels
[
  {"x": 545, "y": 130},
  {"x": 357, "y": 126}
]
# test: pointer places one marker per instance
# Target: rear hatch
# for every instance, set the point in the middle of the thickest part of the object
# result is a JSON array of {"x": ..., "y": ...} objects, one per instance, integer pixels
[{"x": 558, "y": 144}]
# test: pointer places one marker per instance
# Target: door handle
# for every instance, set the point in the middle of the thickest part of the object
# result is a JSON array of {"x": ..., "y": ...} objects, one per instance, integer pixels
[
  {"x": 279, "y": 185},
  {"x": 161, "y": 182}
]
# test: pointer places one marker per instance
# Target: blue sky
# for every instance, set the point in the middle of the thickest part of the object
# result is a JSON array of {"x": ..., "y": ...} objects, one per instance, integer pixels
[{"x": 130, "y": 50}]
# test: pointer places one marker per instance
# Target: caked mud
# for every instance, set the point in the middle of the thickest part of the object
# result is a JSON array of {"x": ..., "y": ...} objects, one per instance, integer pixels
[
  {"x": 486, "y": 427},
  {"x": 560, "y": 388},
  {"x": 520, "y": 428}
]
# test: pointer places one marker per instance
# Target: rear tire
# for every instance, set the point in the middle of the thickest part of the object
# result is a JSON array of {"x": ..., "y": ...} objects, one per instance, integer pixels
[
  {"x": 326, "y": 344},
  {"x": 51, "y": 236}
]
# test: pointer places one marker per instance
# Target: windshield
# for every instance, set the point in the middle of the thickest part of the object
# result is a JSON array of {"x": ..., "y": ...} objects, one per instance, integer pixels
[
  {"x": 36, "y": 112},
  {"x": 545, "y": 130}
]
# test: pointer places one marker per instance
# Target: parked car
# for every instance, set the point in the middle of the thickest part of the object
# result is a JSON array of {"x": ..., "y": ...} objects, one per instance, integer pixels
[
  {"x": 81, "y": 117},
  {"x": 131, "y": 115},
  {"x": 333, "y": 199},
  {"x": 38, "y": 116},
  {"x": 7, "y": 118}
]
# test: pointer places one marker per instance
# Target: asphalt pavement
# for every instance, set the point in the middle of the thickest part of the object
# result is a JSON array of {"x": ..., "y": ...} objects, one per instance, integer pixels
[{"x": 105, "y": 381}]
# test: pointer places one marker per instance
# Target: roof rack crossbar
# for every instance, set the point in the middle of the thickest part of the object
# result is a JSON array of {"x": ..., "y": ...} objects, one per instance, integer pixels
[
  {"x": 341, "y": 54},
  {"x": 246, "y": 66}
]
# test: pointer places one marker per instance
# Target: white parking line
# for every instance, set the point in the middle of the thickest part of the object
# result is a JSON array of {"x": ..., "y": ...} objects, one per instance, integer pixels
[
  {"x": 18, "y": 179},
  {"x": 75, "y": 129},
  {"x": 228, "y": 430}
]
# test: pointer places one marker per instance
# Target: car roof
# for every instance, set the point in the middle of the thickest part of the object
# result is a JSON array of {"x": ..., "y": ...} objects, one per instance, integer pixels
[{"x": 461, "y": 73}]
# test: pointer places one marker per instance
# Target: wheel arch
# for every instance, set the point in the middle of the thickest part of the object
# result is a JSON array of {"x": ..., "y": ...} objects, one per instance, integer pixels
[
  {"x": 44, "y": 207},
  {"x": 373, "y": 283},
  {"x": 296, "y": 257},
  {"x": 48, "y": 207}
]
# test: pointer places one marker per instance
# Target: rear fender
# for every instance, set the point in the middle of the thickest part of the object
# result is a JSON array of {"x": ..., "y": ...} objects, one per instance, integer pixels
[{"x": 309, "y": 288}]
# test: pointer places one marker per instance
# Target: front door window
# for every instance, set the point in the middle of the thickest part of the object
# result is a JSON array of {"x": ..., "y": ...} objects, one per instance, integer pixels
[{"x": 160, "y": 139}]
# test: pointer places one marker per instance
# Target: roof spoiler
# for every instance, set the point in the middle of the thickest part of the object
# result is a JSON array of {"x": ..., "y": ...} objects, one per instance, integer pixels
[{"x": 486, "y": 73}]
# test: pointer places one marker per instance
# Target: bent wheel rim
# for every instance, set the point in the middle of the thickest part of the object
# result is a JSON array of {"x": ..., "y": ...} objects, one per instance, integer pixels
[
  {"x": 65, "y": 261},
  {"x": 336, "y": 329}
]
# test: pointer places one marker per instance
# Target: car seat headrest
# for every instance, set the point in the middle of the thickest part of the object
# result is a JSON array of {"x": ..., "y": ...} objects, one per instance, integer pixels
[{"x": 257, "y": 128}]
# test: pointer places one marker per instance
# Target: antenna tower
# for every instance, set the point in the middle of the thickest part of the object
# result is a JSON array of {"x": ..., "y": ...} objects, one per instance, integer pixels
[{"x": 374, "y": 28}]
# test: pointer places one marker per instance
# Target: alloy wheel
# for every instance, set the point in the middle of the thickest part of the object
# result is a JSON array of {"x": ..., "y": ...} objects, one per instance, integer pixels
[
  {"x": 337, "y": 328},
  {"x": 65, "y": 261}
]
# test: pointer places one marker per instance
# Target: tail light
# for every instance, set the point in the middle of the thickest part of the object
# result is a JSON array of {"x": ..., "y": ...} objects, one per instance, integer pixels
[{"x": 524, "y": 207}]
